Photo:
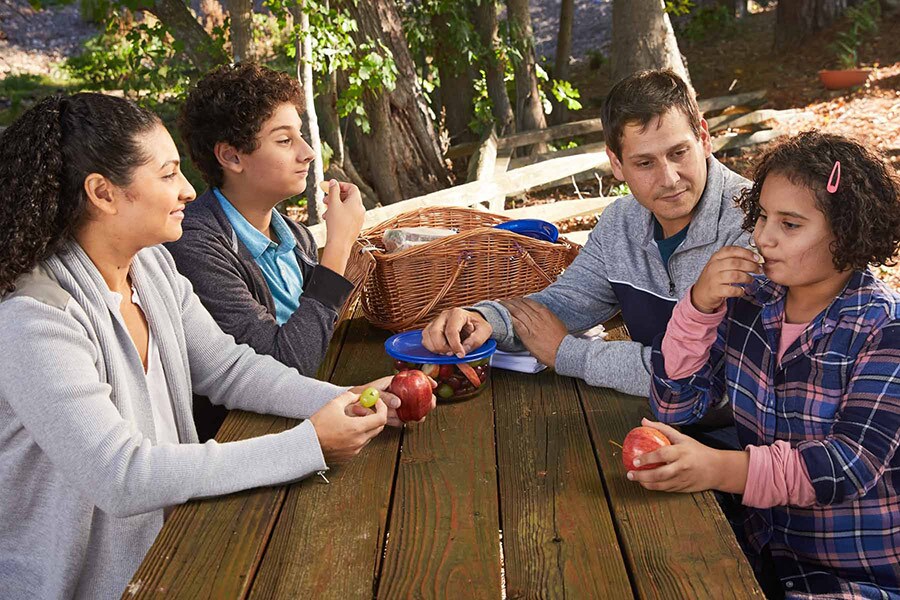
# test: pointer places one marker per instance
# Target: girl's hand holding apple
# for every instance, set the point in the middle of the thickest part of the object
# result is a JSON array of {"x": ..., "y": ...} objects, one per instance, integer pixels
[{"x": 689, "y": 466}]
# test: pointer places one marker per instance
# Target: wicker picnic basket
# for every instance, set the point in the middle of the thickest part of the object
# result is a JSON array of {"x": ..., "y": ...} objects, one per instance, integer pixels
[{"x": 404, "y": 290}]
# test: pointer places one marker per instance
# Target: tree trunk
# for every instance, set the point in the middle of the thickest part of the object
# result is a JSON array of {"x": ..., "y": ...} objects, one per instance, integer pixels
[
  {"x": 457, "y": 89},
  {"x": 241, "y": 28},
  {"x": 560, "y": 112},
  {"x": 198, "y": 46},
  {"x": 529, "y": 112},
  {"x": 315, "y": 197},
  {"x": 485, "y": 17},
  {"x": 401, "y": 156},
  {"x": 341, "y": 167},
  {"x": 643, "y": 39},
  {"x": 796, "y": 20}
]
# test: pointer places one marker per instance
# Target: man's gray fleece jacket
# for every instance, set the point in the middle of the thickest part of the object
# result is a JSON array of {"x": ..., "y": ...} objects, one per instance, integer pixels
[
  {"x": 620, "y": 269},
  {"x": 83, "y": 482}
]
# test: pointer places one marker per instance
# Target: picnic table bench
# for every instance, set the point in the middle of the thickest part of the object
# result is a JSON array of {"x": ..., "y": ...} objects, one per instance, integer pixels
[{"x": 517, "y": 492}]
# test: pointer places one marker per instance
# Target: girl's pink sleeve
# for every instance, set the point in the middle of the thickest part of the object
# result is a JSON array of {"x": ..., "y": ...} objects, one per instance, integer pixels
[
  {"x": 689, "y": 336},
  {"x": 777, "y": 477}
]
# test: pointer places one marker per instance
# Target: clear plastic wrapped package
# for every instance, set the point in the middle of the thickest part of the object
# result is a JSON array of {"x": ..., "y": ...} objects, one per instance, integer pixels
[{"x": 395, "y": 240}]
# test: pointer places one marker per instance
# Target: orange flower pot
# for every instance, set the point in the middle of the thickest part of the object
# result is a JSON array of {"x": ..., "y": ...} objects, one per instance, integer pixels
[{"x": 839, "y": 80}]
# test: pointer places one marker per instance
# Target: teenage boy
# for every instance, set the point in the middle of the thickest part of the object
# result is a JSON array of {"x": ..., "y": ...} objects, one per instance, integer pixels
[
  {"x": 255, "y": 271},
  {"x": 646, "y": 251}
]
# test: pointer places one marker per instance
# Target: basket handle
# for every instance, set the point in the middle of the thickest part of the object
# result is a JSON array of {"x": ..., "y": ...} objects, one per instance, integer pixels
[
  {"x": 399, "y": 326},
  {"x": 357, "y": 291},
  {"x": 531, "y": 263}
]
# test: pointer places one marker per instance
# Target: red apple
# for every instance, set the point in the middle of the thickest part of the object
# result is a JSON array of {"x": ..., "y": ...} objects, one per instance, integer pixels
[
  {"x": 641, "y": 440},
  {"x": 414, "y": 390}
]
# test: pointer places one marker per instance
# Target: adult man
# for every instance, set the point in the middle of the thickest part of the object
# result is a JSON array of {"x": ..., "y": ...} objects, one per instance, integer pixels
[{"x": 646, "y": 251}]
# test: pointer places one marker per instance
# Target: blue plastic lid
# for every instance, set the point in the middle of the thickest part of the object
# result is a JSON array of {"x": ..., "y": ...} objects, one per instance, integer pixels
[
  {"x": 407, "y": 346},
  {"x": 534, "y": 228}
]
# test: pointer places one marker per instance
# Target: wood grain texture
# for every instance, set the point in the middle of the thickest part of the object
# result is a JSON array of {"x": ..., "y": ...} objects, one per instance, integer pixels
[
  {"x": 558, "y": 536},
  {"x": 675, "y": 545},
  {"x": 443, "y": 536},
  {"x": 329, "y": 537}
]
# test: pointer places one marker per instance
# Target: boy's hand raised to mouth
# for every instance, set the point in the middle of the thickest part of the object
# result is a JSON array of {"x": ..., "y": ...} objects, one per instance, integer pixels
[
  {"x": 722, "y": 277},
  {"x": 343, "y": 218}
]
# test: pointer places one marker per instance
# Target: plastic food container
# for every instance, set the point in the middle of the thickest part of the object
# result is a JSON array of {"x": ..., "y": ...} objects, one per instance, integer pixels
[
  {"x": 533, "y": 228},
  {"x": 457, "y": 378}
]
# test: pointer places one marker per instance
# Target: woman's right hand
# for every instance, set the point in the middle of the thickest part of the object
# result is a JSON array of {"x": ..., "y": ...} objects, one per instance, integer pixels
[
  {"x": 721, "y": 277},
  {"x": 341, "y": 434}
]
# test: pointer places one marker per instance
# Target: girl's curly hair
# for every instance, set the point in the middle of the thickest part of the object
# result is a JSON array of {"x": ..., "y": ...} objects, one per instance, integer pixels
[
  {"x": 45, "y": 156},
  {"x": 864, "y": 212},
  {"x": 230, "y": 104}
]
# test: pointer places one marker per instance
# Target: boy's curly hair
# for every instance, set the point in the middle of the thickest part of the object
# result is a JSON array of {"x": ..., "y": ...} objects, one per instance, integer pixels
[
  {"x": 45, "y": 156},
  {"x": 230, "y": 104},
  {"x": 864, "y": 212}
]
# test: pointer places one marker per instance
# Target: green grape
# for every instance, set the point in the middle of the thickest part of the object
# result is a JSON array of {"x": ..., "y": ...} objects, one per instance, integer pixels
[
  {"x": 369, "y": 397},
  {"x": 444, "y": 391}
]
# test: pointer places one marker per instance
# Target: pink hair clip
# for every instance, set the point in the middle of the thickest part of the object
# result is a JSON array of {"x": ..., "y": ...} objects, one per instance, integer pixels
[{"x": 835, "y": 178}]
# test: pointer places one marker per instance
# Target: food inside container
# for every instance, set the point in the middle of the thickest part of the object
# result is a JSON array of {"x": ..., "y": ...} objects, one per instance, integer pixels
[
  {"x": 457, "y": 378},
  {"x": 395, "y": 240}
]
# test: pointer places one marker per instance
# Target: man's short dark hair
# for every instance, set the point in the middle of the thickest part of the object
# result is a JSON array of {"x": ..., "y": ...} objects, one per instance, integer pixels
[
  {"x": 230, "y": 104},
  {"x": 642, "y": 97}
]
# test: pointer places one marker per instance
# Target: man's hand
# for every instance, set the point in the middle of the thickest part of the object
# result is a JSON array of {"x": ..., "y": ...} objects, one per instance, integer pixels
[
  {"x": 456, "y": 331},
  {"x": 343, "y": 220},
  {"x": 721, "y": 278},
  {"x": 539, "y": 330},
  {"x": 689, "y": 466},
  {"x": 342, "y": 436}
]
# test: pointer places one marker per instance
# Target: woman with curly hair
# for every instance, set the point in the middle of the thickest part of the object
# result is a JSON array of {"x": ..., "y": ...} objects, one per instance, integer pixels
[
  {"x": 804, "y": 343},
  {"x": 105, "y": 342}
]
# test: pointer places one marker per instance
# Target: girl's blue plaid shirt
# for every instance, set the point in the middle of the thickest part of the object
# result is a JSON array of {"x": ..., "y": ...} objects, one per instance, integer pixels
[{"x": 835, "y": 397}]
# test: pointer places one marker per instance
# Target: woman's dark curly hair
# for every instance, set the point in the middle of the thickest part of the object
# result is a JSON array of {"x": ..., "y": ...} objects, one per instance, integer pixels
[
  {"x": 45, "y": 156},
  {"x": 230, "y": 104},
  {"x": 864, "y": 212}
]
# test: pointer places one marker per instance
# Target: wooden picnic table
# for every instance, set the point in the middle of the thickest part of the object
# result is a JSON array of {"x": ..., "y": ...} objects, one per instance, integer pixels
[{"x": 518, "y": 492}]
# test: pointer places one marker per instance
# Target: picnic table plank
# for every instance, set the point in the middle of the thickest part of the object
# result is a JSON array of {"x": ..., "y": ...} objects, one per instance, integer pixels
[
  {"x": 558, "y": 537},
  {"x": 225, "y": 535},
  {"x": 443, "y": 535},
  {"x": 676, "y": 545},
  {"x": 324, "y": 529}
]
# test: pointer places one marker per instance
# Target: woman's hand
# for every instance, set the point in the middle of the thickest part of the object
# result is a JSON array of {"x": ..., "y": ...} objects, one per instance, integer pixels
[
  {"x": 391, "y": 400},
  {"x": 341, "y": 434}
]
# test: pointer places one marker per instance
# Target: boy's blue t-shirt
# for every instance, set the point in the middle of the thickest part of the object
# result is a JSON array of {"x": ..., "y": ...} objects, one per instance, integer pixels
[
  {"x": 278, "y": 262},
  {"x": 667, "y": 245}
]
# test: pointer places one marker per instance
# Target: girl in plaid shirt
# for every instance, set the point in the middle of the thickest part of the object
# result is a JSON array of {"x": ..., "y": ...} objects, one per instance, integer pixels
[{"x": 804, "y": 343}]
